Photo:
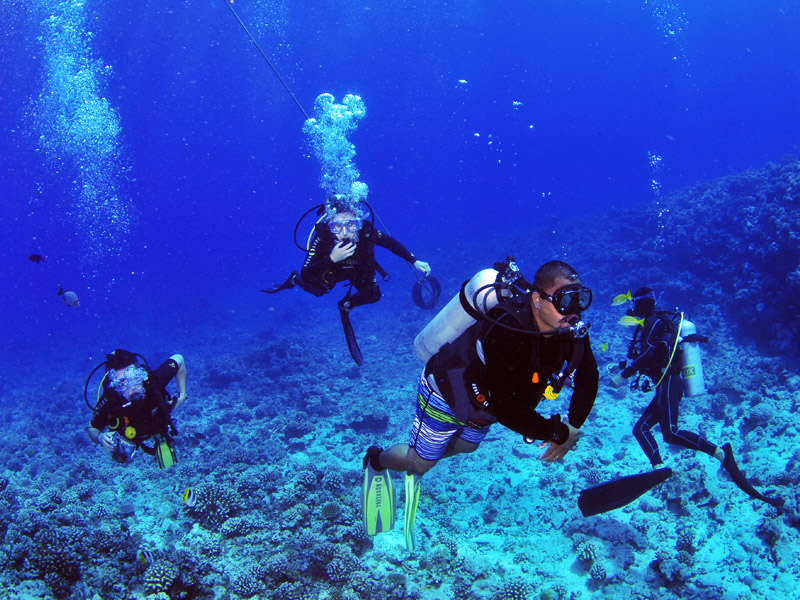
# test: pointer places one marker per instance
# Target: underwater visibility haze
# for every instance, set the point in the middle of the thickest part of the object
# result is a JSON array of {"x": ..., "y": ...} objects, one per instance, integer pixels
[{"x": 156, "y": 159}]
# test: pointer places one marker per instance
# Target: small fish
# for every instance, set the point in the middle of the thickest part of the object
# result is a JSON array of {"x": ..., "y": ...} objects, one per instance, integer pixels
[
  {"x": 604, "y": 346},
  {"x": 462, "y": 81},
  {"x": 621, "y": 299},
  {"x": 189, "y": 498},
  {"x": 148, "y": 557},
  {"x": 630, "y": 321},
  {"x": 37, "y": 258},
  {"x": 70, "y": 298}
]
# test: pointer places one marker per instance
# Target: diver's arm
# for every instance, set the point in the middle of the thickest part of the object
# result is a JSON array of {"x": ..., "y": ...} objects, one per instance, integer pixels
[
  {"x": 392, "y": 245},
  {"x": 180, "y": 379},
  {"x": 587, "y": 382},
  {"x": 649, "y": 353},
  {"x": 94, "y": 434}
]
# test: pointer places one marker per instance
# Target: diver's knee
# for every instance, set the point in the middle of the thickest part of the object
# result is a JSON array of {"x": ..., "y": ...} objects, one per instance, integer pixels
[
  {"x": 417, "y": 464},
  {"x": 670, "y": 434}
]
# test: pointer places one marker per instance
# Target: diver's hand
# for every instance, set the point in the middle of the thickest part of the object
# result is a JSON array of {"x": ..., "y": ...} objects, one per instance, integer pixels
[
  {"x": 179, "y": 399},
  {"x": 342, "y": 251},
  {"x": 423, "y": 266},
  {"x": 555, "y": 451},
  {"x": 617, "y": 381},
  {"x": 106, "y": 440}
]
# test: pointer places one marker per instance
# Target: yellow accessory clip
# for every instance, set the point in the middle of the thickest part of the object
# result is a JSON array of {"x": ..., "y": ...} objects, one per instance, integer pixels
[
  {"x": 130, "y": 432},
  {"x": 550, "y": 393}
]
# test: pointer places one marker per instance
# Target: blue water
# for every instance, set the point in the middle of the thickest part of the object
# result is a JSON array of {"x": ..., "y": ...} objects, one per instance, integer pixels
[
  {"x": 217, "y": 168},
  {"x": 154, "y": 159}
]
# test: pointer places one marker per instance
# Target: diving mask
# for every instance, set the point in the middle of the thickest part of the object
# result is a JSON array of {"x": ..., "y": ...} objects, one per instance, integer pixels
[
  {"x": 570, "y": 299},
  {"x": 351, "y": 226}
]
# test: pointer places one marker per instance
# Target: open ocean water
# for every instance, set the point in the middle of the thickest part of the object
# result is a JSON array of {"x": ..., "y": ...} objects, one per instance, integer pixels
[{"x": 154, "y": 165}]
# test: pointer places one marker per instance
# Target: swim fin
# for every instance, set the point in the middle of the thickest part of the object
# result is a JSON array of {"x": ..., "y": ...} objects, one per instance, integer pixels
[
  {"x": 619, "y": 492},
  {"x": 741, "y": 482},
  {"x": 413, "y": 486},
  {"x": 165, "y": 455},
  {"x": 286, "y": 285},
  {"x": 377, "y": 501},
  {"x": 352, "y": 344}
]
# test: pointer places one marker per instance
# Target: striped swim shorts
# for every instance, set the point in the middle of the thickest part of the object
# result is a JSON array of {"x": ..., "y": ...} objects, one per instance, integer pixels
[{"x": 435, "y": 425}]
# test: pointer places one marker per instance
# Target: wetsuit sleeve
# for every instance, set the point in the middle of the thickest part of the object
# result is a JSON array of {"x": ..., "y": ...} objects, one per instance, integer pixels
[
  {"x": 654, "y": 345},
  {"x": 513, "y": 395},
  {"x": 587, "y": 381},
  {"x": 392, "y": 245},
  {"x": 164, "y": 373},
  {"x": 100, "y": 419}
]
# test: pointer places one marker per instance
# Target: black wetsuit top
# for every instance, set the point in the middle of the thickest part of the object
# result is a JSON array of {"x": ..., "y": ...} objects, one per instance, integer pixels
[
  {"x": 503, "y": 387},
  {"x": 151, "y": 418},
  {"x": 321, "y": 274},
  {"x": 652, "y": 345}
]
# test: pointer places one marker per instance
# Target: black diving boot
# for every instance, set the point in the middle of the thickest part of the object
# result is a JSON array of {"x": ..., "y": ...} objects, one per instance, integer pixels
[
  {"x": 729, "y": 464},
  {"x": 372, "y": 458}
]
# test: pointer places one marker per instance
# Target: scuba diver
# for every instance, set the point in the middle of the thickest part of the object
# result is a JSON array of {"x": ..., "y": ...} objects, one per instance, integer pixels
[
  {"x": 664, "y": 350},
  {"x": 133, "y": 406},
  {"x": 344, "y": 250},
  {"x": 491, "y": 355}
]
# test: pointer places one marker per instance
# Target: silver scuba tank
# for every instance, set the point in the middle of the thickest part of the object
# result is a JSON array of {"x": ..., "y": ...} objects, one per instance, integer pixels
[
  {"x": 692, "y": 365},
  {"x": 453, "y": 320}
]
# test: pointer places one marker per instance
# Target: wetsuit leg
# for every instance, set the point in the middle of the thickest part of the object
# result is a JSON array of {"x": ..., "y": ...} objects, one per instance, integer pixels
[
  {"x": 669, "y": 395},
  {"x": 312, "y": 287},
  {"x": 641, "y": 431},
  {"x": 366, "y": 293}
]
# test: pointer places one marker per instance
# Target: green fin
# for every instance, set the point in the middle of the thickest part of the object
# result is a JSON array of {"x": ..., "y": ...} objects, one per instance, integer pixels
[
  {"x": 377, "y": 501},
  {"x": 413, "y": 485},
  {"x": 165, "y": 455}
]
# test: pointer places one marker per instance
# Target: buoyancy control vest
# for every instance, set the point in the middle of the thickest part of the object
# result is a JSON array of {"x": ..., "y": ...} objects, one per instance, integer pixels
[{"x": 459, "y": 367}]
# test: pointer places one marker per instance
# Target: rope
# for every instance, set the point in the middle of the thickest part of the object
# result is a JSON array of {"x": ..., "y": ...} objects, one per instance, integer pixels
[{"x": 255, "y": 43}]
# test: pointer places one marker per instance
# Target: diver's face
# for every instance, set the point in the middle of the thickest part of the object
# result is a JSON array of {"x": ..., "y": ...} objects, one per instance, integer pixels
[
  {"x": 546, "y": 315},
  {"x": 345, "y": 225}
]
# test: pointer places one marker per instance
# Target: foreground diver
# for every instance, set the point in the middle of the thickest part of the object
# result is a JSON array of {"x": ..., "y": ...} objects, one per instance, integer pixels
[
  {"x": 664, "y": 347},
  {"x": 345, "y": 251},
  {"x": 491, "y": 355},
  {"x": 133, "y": 406}
]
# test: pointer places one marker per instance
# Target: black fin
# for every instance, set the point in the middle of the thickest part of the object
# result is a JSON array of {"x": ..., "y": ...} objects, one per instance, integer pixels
[
  {"x": 619, "y": 492},
  {"x": 286, "y": 285},
  {"x": 741, "y": 481},
  {"x": 352, "y": 344}
]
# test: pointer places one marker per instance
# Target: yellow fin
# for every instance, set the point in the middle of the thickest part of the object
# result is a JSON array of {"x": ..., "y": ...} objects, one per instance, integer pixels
[
  {"x": 621, "y": 299},
  {"x": 630, "y": 321}
]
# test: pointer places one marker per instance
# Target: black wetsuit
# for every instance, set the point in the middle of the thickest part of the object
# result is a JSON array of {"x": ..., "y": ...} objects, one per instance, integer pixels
[
  {"x": 151, "y": 418},
  {"x": 650, "y": 352},
  {"x": 508, "y": 383},
  {"x": 320, "y": 274}
]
